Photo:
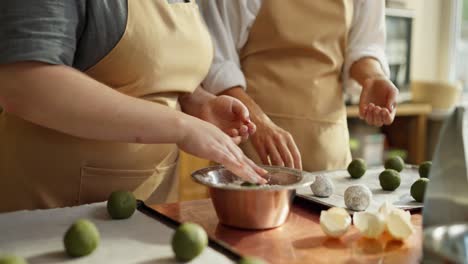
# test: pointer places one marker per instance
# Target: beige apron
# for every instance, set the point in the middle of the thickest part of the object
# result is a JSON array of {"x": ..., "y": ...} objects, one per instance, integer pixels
[
  {"x": 292, "y": 61},
  {"x": 165, "y": 50}
]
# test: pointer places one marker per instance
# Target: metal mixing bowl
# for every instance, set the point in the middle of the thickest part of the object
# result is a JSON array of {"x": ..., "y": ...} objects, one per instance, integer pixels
[{"x": 256, "y": 207}]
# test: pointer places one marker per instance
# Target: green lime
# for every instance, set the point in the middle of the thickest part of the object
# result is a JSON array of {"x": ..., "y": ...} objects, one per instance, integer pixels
[
  {"x": 419, "y": 188},
  {"x": 395, "y": 163},
  {"x": 189, "y": 241},
  {"x": 121, "y": 204},
  {"x": 11, "y": 259},
  {"x": 357, "y": 168},
  {"x": 251, "y": 260},
  {"x": 424, "y": 169},
  {"x": 81, "y": 238},
  {"x": 389, "y": 179}
]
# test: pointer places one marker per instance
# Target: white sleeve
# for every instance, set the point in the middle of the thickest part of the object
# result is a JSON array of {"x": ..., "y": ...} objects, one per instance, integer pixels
[
  {"x": 229, "y": 23},
  {"x": 367, "y": 35}
]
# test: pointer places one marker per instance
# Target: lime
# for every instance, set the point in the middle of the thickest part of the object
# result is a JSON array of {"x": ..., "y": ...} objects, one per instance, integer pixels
[
  {"x": 424, "y": 169},
  {"x": 81, "y": 238},
  {"x": 11, "y": 259},
  {"x": 389, "y": 179},
  {"x": 121, "y": 204},
  {"x": 357, "y": 168},
  {"x": 419, "y": 188},
  {"x": 251, "y": 260},
  {"x": 189, "y": 241},
  {"x": 395, "y": 163}
]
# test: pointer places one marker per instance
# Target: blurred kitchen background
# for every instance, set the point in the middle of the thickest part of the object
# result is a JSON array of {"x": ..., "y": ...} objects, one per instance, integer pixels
[{"x": 427, "y": 48}]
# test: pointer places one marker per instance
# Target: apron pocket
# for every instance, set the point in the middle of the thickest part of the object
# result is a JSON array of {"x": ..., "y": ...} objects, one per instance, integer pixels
[
  {"x": 161, "y": 188},
  {"x": 97, "y": 184}
]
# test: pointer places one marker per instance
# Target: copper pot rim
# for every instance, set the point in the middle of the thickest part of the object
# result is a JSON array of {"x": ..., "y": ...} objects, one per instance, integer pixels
[{"x": 205, "y": 177}]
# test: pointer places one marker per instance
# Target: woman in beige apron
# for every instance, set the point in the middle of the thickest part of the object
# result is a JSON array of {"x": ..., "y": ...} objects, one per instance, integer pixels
[
  {"x": 292, "y": 62},
  {"x": 163, "y": 54}
]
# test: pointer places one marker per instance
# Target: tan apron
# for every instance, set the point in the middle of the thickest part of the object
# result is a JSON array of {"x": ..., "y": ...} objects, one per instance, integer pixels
[
  {"x": 292, "y": 61},
  {"x": 165, "y": 50}
]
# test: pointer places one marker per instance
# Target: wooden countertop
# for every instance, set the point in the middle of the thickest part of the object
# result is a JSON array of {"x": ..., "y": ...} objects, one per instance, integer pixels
[
  {"x": 406, "y": 109},
  {"x": 300, "y": 239}
]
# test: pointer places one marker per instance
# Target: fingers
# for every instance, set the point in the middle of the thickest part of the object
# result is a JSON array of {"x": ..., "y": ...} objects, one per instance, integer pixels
[
  {"x": 375, "y": 115},
  {"x": 368, "y": 116},
  {"x": 363, "y": 102},
  {"x": 392, "y": 99},
  {"x": 285, "y": 153},
  {"x": 234, "y": 160},
  {"x": 232, "y": 132},
  {"x": 244, "y": 132},
  {"x": 295, "y": 154},
  {"x": 273, "y": 153},
  {"x": 363, "y": 113},
  {"x": 257, "y": 168},
  {"x": 262, "y": 153},
  {"x": 252, "y": 127},
  {"x": 237, "y": 152},
  {"x": 240, "y": 110},
  {"x": 387, "y": 117}
]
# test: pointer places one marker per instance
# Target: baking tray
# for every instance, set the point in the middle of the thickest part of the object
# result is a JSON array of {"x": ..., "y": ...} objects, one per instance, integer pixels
[
  {"x": 400, "y": 198},
  {"x": 144, "y": 238},
  {"x": 219, "y": 246}
]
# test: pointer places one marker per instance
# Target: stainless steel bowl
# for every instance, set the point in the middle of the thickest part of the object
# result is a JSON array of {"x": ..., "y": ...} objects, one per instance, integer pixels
[{"x": 256, "y": 207}]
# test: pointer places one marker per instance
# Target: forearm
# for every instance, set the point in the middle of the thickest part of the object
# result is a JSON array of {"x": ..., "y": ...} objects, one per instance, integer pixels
[
  {"x": 61, "y": 98},
  {"x": 192, "y": 103},
  {"x": 366, "y": 68},
  {"x": 256, "y": 113}
]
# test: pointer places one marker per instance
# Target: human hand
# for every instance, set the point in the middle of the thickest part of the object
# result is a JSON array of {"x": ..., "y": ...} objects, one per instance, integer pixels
[
  {"x": 230, "y": 115},
  {"x": 377, "y": 103},
  {"x": 275, "y": 145},
  {"x": 205, "y": 140}
]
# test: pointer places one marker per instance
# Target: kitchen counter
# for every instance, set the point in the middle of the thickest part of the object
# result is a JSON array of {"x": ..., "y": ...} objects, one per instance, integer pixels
[{"x": 300, "y": 239}]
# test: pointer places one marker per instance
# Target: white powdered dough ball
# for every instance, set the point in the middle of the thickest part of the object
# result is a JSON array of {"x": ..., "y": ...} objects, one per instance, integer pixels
[
  {"x": 322, "y": 186},
  {"x": 357, "y": 197}
]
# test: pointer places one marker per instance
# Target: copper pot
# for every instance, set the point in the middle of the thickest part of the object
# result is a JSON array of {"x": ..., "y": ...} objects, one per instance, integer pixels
[{"x": 252, "y": 207}]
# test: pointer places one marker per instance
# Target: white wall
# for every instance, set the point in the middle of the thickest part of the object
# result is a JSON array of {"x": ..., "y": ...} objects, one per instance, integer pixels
[{"x": 425, "y": 57}]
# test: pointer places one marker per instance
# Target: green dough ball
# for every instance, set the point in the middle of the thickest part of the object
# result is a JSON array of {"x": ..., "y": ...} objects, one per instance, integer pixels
[
  {"x": 418, "y": 189},
  {"x": 121, "y": 204},
  {"x": 357, "y": 168},
  {"x": 251, "y": 260},
  {"x": 424, "y": 169},
  {"x": 395, "y": 163},
  {"x": 11, "y": 259},
  {"x": 81, "y": 239},
  {"x": 389, "y": 180},
  {"x": 249, "y": 184},
  {"x": 189, "y": 241}
]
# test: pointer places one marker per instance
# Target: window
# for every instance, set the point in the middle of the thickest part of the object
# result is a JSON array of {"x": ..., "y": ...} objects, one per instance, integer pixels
[{"x": 461, "y": 69}]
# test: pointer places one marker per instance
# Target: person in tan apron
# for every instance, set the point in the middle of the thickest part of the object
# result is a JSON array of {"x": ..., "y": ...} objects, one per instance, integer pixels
[
  {"x": 63, "y": 132},
  {"x": 286, "y": 60}
]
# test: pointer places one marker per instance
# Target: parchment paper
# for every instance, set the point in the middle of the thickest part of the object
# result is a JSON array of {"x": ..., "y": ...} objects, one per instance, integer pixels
[
  {"x": 401, "y": 197},
  {"x": 37, "y": 236}
]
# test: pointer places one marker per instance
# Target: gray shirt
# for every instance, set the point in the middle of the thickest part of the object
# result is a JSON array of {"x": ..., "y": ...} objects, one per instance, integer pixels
[{"x": 76, "y": 33}]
